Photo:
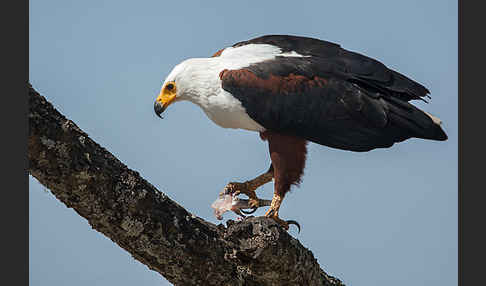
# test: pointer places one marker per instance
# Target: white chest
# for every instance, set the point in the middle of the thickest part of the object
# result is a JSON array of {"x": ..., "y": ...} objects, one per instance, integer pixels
[{"x": 227, "y": 112}]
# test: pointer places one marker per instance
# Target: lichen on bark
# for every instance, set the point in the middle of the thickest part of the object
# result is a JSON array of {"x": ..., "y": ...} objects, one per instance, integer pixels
[{"x": 155, "y": 230}]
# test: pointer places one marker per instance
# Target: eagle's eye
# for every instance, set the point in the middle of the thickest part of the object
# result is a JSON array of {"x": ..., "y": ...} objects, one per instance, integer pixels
[{"x": 170, "y": 86}]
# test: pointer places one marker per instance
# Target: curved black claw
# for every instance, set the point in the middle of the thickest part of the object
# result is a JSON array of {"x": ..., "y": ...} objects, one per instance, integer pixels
[
  {"x": 249, "y": 212},
  {"x": 294, "y": 223}
]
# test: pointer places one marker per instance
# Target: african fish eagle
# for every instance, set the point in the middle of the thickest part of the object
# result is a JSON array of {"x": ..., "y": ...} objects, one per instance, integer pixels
[{"x": 293, "y": 90}]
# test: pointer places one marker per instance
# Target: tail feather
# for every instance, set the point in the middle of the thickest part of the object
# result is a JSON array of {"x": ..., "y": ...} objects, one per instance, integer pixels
[{"x": 419, "y": 123}]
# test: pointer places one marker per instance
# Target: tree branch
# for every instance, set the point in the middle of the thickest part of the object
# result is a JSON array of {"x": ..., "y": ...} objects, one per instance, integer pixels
[{"x": 155, "y": 230}]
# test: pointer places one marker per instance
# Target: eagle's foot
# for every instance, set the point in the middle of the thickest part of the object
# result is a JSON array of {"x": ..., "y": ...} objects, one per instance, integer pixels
[
  {"x": 273, "y": 213},
  {"x": 235, "y": 188},
  {"x": 248, "y": 188}
]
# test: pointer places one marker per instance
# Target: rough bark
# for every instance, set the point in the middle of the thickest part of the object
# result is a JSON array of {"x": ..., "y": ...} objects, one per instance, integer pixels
[{"x": 155, "y": 230}]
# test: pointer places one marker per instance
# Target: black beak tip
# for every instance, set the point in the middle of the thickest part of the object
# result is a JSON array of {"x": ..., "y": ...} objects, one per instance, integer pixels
[{"x": 158, "y": 108}]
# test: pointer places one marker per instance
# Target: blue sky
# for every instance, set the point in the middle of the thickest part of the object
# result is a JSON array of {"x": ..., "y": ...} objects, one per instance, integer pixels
[{"x": 385, "y": 217}]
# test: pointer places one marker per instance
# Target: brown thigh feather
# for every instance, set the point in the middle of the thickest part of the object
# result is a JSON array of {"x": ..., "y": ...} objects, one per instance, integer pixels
[{"x": 288, "y": 154}]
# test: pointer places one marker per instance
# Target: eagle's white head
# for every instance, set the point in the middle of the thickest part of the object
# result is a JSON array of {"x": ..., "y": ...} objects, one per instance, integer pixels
[{"x": 194, "y": 80}]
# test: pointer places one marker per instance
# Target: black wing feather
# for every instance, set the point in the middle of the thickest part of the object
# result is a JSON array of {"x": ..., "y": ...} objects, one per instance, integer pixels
[{"x": 339, "y": 114}]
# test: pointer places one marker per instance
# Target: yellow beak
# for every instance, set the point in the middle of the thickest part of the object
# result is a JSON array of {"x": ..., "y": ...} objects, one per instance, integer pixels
[{"x": 164, "y": 99}]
